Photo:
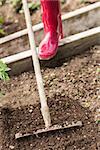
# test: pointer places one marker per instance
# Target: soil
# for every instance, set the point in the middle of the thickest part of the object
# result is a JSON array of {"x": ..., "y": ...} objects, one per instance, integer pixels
[
  {"x": 73, "y": 94},
  {"x": 61, "y": 109}
]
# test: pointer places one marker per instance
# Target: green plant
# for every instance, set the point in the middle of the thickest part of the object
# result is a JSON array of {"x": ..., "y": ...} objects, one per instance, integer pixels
[
  {"x": 84, "y": 1},
  {"x": 3, "y": 71},
  {"x": 1, "y": 94},
  {"x": 1, "y": 20},
  {"x": 63, "y": 1},
  {"x": 2, "y": 2},
  {"x": 98, "y": 70},
  {"x": 2, "y": 32},
  {"x": 17, "y": 4},
  {"x": 32, "y": 6},
  {"x": 98, "y": 122}
]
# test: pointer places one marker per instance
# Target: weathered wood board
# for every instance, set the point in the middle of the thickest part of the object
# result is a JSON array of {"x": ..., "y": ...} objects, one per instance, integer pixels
[{"x": 68, "y": 46}]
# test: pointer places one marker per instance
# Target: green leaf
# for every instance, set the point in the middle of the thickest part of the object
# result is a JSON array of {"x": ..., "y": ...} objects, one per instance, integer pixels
[
  {"x": 2, "y": 2},
  {"x": 1, "y": 94},
  {"x": 83, "y": 1},
  {"x": 98, "y": 70},
  {"x": 15, "y": 2},
  {"x": 98, "y": 122},
  {"x": 33, "y": 6},
  {"x": 3, "y": 66},
  {"x": 1, "y": 20},
  {"x": 2, "y": 32},
  {"x": 3, "y": 71}
]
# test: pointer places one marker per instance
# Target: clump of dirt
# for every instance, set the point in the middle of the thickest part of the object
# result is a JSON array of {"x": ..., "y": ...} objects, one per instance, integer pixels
[
  {"x": 28, "y": 119},
  {"x": 72, "y": 91}
]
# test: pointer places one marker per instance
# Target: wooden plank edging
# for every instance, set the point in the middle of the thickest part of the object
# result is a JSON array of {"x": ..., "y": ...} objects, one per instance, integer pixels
[{"x": 68, "y": 46}]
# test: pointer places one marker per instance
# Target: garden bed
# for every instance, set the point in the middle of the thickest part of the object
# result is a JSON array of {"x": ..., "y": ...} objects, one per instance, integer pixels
[
  {"x": 72, "y": 89},
  {"x": 71, "y": 84}
]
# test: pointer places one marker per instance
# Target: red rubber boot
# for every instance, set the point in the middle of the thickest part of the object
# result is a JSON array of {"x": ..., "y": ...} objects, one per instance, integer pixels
[{"x": 53, "y": 29}]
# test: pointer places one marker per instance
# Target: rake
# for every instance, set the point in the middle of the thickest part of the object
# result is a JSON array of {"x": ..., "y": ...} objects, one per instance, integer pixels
[{"x": 43, "y": 100}]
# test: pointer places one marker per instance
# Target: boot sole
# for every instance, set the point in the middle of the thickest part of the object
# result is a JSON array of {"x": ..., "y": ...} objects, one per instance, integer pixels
[{"x": 48, "y": 57}]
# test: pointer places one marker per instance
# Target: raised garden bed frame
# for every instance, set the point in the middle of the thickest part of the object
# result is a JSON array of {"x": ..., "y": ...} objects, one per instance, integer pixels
[{"x": 68, "y": 46}]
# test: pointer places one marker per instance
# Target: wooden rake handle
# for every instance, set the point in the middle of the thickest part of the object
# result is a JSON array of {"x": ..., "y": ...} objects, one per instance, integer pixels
[{"x": 43, "y": 100}]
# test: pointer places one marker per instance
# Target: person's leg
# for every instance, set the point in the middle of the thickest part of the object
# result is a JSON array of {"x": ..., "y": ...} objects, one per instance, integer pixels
[{"x": 53, "y": 28}]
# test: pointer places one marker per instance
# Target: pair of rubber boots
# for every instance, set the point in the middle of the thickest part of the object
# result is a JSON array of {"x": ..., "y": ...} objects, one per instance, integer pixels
[{"x": 51, "y": 18}]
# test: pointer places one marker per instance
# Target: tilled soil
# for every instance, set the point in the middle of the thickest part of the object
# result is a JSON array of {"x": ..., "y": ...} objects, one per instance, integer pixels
[
  {"x": 72, "y": 91},
  {"x": 62, "y": 109}
]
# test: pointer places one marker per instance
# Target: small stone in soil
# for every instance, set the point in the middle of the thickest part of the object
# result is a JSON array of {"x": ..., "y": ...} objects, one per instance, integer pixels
[
  {"x": 17, "y": 127},
  {"x": 30, "y": 110},
  {"x": 11, "y": 147},
  {"x": 31, "y": 145},
  {"x": 58, "y": 138}
]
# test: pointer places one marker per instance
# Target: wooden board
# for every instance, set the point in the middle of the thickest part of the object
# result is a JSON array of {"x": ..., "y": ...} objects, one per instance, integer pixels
[{"x": 68, "y": 46}]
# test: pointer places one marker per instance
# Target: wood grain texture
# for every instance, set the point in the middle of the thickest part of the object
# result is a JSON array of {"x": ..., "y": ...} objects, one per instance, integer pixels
[{"x": 68, "y": 46}]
